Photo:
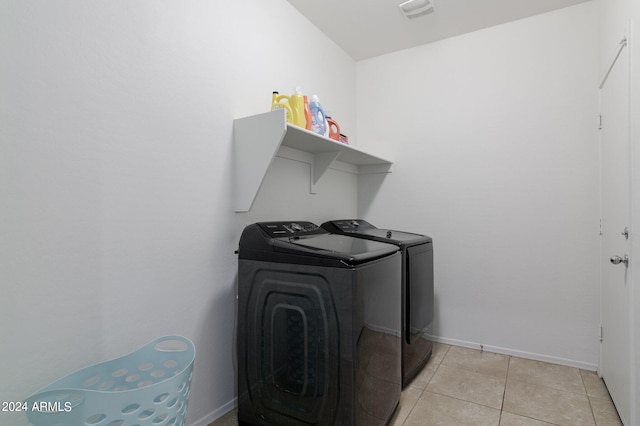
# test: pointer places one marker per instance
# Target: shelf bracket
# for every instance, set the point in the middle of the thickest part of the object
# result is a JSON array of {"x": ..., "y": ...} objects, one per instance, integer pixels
[
  {"x": 256, "y": 141},
  {"x": 321, "y": 163}
]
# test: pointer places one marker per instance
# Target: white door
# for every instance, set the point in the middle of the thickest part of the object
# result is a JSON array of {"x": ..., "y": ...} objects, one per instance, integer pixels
[{"x": 614, "y": 140}]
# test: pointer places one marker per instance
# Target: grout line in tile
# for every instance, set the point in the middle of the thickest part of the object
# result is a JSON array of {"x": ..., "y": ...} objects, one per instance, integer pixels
[
  {"x": 604, "y": 399},
  {"x": 532, "y": 418},
  {"x": 471, "y": 370},
  {"x": 549, "y": 387},
  {"x": 460, "y": 399},
  {"x": 436, "y": 366},
  {"x": 465, "y": 367},
  {"x": 504, "y": 392},
  {"x": 445, "y": 354},
  {"x": 466, "y": 400},
  {"x": 414, "y": 406},
  {"x": 593, "y": 415}
]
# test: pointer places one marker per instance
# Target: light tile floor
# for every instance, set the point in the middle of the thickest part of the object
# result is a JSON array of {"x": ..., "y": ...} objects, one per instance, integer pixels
[{"x": 461, "y": 386}]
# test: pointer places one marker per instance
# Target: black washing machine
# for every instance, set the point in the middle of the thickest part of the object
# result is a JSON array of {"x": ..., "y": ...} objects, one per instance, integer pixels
[
  {"x": 417, "y": 287},
  {"x": 319, "y": 327}
]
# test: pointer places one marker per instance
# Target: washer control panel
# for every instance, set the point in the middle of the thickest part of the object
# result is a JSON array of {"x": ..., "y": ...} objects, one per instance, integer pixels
[{"x": 290, "y": 229}]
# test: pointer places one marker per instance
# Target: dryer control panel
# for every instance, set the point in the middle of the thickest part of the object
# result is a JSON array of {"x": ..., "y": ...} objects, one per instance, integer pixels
[
  {"x": 351, "y": 225},
  {"x": 290, "y": 229}
]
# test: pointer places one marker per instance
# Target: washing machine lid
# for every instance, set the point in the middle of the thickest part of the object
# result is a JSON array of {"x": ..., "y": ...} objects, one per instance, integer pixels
[
  {"x": 349, "y": 249},
  {"x": 359, "y": 227}
]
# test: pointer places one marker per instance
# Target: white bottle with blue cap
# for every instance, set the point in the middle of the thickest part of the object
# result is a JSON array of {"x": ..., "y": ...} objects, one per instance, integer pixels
[{"x": 318, "y": 119}]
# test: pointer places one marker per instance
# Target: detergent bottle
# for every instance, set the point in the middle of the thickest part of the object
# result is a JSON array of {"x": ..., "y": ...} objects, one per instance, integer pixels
[
  {"x": 307, "y": 113},
  {"x": 297, "y": 106},
  {"x": 318, "y": 120},
  {"x": 282, "y": 101},
  {"x": 333, "y": 128}
]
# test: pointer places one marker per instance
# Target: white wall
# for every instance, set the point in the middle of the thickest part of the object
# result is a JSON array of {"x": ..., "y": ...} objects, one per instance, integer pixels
[
  {"x": 116, "y": 219},
  {"x": 495, "y": 146}
]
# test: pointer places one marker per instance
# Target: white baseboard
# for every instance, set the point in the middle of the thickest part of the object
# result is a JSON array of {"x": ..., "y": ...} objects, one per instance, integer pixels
[
  {"x": 521, "y": 354},
  {"x": 216, "y": 414}
]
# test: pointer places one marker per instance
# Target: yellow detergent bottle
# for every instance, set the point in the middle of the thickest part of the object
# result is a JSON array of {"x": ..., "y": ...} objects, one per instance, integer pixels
[
  {"x": 282, "y": 101},
  {"x": 297, "y": 106}
]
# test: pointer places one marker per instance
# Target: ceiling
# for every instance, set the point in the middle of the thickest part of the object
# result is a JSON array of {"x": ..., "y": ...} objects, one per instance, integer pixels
[{"x": 367, "y": 28}]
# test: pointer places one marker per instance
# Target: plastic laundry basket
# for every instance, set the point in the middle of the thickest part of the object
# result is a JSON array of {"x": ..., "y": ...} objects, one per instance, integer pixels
[{"x": 147, "y": 387}]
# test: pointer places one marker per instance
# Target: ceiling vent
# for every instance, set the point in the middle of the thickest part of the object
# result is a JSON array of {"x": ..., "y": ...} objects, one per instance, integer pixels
[{"x": 412, "y": 9}]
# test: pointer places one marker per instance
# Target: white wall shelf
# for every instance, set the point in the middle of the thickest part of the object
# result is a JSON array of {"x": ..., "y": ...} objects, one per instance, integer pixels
[{"x": 258, "y": 138}]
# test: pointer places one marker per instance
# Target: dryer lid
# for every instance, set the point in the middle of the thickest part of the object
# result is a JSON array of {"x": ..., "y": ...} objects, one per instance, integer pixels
[
  {"x": 343, "y": 247},
  {"x": 359, "y": 227},
  {"x": 395, "y": 236}
]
